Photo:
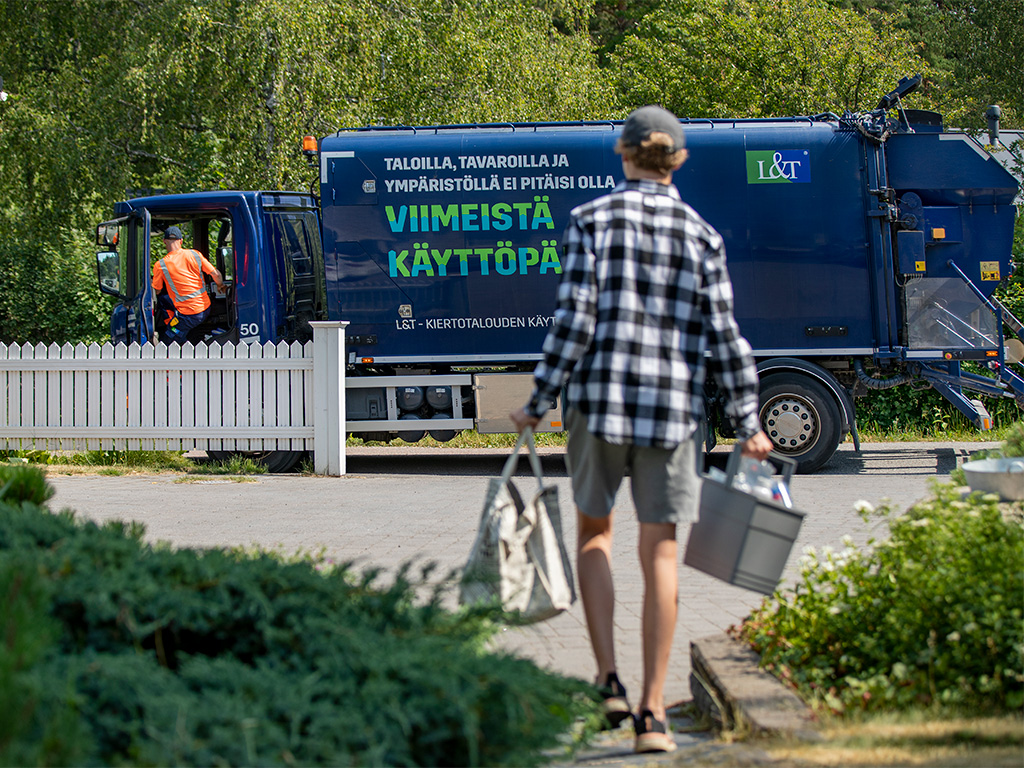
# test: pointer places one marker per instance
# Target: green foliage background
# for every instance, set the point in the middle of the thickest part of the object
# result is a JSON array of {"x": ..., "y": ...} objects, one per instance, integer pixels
[
  {"x": 747, "y": 58},
  {"x": 112, "y": 96}
]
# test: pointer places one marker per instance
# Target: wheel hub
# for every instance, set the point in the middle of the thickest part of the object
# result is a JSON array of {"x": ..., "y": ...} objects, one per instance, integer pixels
[{"x": 791, "y": 424}]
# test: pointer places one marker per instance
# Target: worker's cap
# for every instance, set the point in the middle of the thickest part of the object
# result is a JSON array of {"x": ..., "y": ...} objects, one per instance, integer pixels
[
  {"x": 642, "y": 122},
  {"x": 172, "y": 233}
]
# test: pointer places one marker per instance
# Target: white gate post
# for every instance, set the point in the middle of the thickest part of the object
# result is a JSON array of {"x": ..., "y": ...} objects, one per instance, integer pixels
[{"x": 329, "y": 397}]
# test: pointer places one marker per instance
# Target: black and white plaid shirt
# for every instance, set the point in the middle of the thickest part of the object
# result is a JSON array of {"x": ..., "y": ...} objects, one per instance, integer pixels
[{"x": 644, "y": 293}]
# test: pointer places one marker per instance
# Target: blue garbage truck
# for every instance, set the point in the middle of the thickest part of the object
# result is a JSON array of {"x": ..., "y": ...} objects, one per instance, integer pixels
[{"x": 864, "y": 250}]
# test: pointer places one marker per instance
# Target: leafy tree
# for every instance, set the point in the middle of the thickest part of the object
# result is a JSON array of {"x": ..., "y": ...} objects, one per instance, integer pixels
[
  {"x": 614, "y": 21},
  {"x": 488, "y": 60},
  {"x": 974, "y": 49},
  {"x": 220, "y": 92},
  {"x": 920, "y": 20},
  {"x": 754, "y": 58},
  {"x": 985, "y": 43}
]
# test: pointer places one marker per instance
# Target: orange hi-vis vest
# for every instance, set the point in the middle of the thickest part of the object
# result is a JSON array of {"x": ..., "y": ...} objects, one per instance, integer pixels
[{"x": 182, "y": 273}]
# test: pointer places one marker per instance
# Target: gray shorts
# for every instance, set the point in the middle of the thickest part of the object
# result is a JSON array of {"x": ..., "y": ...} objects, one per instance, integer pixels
[{"x": 666, "y": 486}]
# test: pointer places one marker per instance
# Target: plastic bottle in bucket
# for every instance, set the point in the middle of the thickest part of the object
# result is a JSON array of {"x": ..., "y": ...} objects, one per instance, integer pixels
[{"x": 758, "y": 478}]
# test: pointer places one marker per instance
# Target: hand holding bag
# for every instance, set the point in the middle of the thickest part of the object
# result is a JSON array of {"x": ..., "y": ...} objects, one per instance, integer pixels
[{"x": 519, "y": 556}]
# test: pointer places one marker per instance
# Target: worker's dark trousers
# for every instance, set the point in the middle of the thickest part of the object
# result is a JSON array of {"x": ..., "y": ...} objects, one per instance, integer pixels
[{"x": 180, "y": 325}]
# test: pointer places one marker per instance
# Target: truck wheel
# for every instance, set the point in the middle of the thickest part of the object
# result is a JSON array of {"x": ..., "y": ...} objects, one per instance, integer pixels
[
  {"x": 276, "y": 462},
  {"x": 801, "y": 418}
]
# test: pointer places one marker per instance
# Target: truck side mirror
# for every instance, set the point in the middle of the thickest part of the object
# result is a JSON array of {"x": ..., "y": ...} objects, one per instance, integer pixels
[
  {"x": 225, "y": 261},
  {"x": 107, "y": 234},
  {"x": 108, "y": 268}
]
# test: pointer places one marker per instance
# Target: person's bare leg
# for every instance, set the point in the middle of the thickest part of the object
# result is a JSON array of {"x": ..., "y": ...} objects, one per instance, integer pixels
[
  {"x": 658, "y": 559},
  {"x": 597, "y": 591}
]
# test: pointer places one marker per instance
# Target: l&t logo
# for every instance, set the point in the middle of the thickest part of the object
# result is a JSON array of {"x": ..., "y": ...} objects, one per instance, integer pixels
[{"x": 783, "y": 166}]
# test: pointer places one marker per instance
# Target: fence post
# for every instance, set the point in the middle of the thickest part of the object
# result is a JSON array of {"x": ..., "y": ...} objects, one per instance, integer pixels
[{"x": 329, "y": 397}]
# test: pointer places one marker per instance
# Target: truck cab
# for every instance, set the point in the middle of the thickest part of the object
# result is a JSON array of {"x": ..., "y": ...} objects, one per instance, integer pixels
[{"x": 265, "y": 244}]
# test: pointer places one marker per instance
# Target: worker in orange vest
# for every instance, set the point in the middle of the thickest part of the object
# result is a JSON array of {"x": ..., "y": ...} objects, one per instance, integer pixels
[{"x": 180, "y": 273}]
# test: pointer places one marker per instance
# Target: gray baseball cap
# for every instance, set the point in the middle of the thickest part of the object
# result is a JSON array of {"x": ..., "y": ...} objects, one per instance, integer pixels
[
  {"x": 642, "y": 122},
  {"x": 172, "y": 233}
]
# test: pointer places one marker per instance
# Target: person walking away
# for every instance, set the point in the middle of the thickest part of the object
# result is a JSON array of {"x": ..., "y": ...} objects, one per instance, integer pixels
[
  {"x": 180, "y": 273},
  {"x": 644, "y": 294}
]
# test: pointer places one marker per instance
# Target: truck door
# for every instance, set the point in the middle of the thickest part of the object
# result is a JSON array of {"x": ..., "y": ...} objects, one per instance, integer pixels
[
  {"x": 300, "y": 291},
  {"x": 123, "y": 272}
]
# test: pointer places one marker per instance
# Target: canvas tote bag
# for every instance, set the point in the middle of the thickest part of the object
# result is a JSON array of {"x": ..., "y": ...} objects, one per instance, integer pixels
[{"x": 519, "y": 556}]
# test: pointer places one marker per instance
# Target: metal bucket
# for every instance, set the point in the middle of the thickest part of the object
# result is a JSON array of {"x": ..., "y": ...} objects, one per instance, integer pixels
[
  {"x": 741, "y": 538},
  {"x": 1002, "y": 476}
]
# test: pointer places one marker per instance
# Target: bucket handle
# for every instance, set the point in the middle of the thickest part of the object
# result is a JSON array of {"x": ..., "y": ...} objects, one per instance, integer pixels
[{"x": 788, "y": 465}]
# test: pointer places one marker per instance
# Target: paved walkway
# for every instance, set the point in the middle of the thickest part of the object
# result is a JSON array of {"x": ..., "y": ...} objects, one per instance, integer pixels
[{"x": 424, "y": 504}]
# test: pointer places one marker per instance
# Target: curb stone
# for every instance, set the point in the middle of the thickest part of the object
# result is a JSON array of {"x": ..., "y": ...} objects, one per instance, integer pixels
[{"x": 728, "y": 685}]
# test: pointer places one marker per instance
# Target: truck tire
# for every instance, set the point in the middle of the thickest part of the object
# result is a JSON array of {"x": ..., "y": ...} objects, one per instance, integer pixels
[
  {"x": 276, "y": 462},
  {"x": 801, "y": 418}
]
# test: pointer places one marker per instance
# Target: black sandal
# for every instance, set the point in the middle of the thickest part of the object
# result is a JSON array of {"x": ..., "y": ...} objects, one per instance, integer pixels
[
  {"x": 613, "y": 701},
  {"x": 652, "y": 735}
]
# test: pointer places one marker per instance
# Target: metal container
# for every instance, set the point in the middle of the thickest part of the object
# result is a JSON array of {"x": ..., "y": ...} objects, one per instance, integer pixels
[
  {"x": 742, "y": 538},
  {"x": 1002, "y": 476},
  {"x": 498, "y": 394}
]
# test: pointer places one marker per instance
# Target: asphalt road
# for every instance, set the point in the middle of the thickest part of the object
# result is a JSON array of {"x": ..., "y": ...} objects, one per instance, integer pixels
[{"x": 423, "y": 505}]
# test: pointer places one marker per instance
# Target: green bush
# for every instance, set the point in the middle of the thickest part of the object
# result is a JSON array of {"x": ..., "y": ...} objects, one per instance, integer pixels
[
  {"x": 930, "y": 616},
  {"x": 50, "y": 292},
  {"x": 903, "y": 412},
  {"x": 37, "y": 723},
  {"x": 188, "y": 657}
]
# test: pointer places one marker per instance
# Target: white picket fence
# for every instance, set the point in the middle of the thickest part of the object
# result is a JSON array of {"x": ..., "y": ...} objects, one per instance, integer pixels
[{"x": 230, "y": 397}]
